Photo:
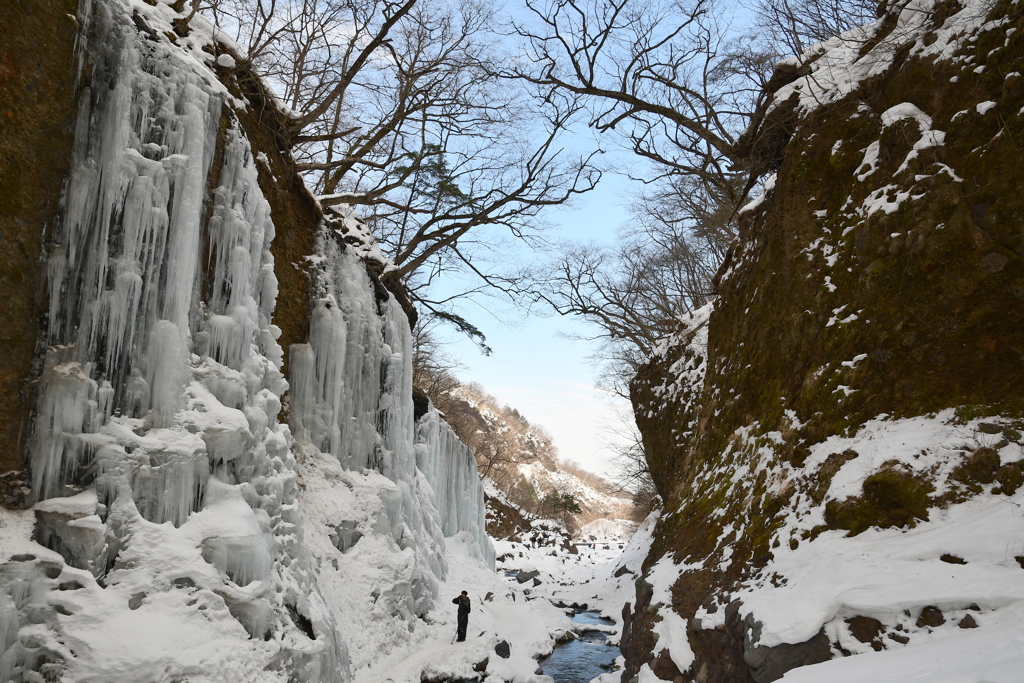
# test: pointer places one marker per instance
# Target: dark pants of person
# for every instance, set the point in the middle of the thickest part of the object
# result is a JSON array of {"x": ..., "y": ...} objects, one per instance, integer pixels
[{"x": 463, "y": 624}]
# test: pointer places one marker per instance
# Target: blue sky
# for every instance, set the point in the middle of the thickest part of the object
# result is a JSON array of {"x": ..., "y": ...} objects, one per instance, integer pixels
[{"x": 534, "y": 367}]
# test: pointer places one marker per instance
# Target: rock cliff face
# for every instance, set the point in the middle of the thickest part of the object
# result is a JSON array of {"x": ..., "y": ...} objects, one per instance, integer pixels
[
  {"x": 37, "y": 82},
  {"x": 202, "y": 509},
  {"x": 857, "y": 384}
]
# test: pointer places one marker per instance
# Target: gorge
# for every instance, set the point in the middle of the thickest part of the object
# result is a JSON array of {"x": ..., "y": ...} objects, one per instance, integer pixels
[{"x": 214, "y": 464}]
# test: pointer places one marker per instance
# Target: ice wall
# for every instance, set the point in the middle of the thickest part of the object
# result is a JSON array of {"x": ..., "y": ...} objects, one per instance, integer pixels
[
  {"x": 170, "y": 538},
  {"x": 168, "y": 485},
  {"x": 450, "y": 468},
  {"x": 351, "y": 398}
]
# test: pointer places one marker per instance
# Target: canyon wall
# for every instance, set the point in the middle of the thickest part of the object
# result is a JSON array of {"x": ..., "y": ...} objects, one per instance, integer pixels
[{"x": 830, "y": 432}]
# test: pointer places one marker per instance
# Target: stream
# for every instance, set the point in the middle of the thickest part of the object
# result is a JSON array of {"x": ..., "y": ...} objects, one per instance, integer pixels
[{"x": 582, "y": 660}]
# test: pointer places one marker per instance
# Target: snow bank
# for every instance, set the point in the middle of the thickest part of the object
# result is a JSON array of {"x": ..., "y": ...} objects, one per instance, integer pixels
[{"x": 932, "y": 581}]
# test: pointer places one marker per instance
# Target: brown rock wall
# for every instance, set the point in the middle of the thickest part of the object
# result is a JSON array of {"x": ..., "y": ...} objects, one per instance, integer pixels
[
  {"x": 37, "y": 110},
  {"x": 936, "y": 286}
]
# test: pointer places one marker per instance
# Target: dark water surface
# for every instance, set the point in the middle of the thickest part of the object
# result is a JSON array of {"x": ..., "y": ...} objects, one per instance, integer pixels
[{"x": 580, "y": 661}]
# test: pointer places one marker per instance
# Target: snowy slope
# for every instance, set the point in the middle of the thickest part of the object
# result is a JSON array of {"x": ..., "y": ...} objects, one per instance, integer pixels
[
  {"x": 591, "y": 500},
  {"x": 527, "y": 454}
]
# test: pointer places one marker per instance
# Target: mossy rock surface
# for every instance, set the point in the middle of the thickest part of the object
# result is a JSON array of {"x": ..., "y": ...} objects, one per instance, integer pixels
[
  {"x": 892, "y": 497},
  {"x": 829, "y": 317}
]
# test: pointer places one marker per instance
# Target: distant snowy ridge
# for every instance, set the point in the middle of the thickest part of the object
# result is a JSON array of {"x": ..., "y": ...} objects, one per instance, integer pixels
[
  {"x": 607, "y": 531},
  {"x": 527, "y": 455}
]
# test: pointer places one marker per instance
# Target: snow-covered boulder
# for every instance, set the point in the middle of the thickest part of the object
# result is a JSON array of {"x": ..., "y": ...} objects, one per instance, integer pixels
[{"x": 527, "y": 573}]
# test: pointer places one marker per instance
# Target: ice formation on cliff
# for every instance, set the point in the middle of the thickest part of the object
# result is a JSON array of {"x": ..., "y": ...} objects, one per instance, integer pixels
[
  {"x": 351, "y": 398},
  {"x": 170, "y": 498}
]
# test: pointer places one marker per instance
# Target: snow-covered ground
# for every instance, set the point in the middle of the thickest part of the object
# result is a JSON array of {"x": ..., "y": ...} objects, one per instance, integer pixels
[
  {"x": 948, "y": 597},
  {"x": 601, "y": 578},
  {"x": 136, "y": 628},
  {"x": 365, "y": 583},
  {"x": 501, "y": 611},
  {"x": 606, "y": 531},
  {"x": 522, "y": 614},
  {"x": 938, "y": 600}
]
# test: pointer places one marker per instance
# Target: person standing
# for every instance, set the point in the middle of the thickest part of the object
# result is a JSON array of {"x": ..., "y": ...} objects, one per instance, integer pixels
[{"x": 463, "y": 602}]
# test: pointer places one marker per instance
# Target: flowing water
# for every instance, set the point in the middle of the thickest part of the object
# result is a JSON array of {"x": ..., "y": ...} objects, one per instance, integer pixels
[{"x": 580, "y": 661}]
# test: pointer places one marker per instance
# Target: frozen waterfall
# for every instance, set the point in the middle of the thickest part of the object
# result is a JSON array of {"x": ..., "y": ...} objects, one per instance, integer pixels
[
  {"x": 351, "y": 398},
  {"x": 450, "y": 469},
  {"x": 157, "y": 439},
  {"x": 167, "y": 485}
]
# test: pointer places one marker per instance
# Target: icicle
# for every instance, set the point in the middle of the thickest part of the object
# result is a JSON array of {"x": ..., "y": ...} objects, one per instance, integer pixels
[
  {"x": 65, "y": 411},
  {"x": 450, "y": 470}
]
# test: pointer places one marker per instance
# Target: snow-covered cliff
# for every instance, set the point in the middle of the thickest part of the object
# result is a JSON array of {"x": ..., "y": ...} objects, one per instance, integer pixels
[
  {"x": 838, "y": 441},
  {"x": 184, "y": 529}
]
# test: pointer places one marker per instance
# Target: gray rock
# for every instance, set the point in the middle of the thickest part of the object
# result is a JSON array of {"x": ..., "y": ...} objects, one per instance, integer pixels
[
  {"x": 771, "y": 663},
  {"x": 524, "y": 576},
  {"x": 503, "y": 650},
  {"x": 536, "y": 581}
]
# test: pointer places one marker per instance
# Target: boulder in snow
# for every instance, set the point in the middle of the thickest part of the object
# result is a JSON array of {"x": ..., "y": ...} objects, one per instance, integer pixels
[{"x": 527, "y": 573}]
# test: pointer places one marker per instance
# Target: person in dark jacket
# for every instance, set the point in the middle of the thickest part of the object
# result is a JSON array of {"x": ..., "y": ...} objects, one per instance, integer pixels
[{"x": 463, "y": 602}]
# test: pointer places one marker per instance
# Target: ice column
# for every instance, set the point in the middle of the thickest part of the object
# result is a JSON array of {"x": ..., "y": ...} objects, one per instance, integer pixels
[
  {"x": 123, "y": 271},
  {"x": 352, "y": 398},
  {"x": 450, "y": 468}
]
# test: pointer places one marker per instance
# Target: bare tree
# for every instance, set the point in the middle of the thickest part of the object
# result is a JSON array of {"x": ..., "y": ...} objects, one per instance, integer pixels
[
  {"x": 665, "y": 79},
  {"x": 669, "y": 80},
  {"x": 398, "y": 107},
  {"x": 791, "y": 26},
  {"x": 433, "y": 369},
  {"x": 635, "y": 292},
  {"x": 658, "y": 74}
]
